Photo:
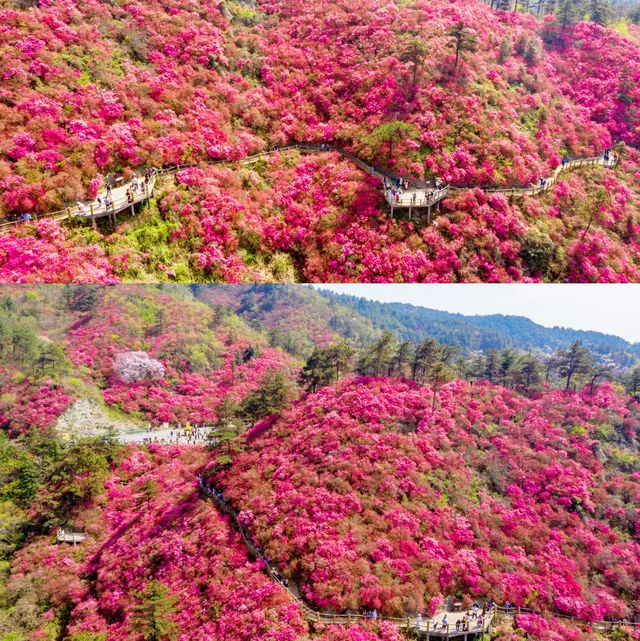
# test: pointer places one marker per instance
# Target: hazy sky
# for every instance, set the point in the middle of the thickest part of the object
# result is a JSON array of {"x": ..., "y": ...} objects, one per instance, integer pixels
[{"x": 613, "y": 309}]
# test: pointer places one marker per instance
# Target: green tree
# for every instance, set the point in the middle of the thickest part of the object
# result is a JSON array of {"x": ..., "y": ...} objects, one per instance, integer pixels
[
  {"x": 599, "y": 12},
  {"x": 152, "y": 614},
  {"x": 275, "y": 392},
  {"x": 429, "y": 355},
  {"x": 402, "y": 360},
  {"x": 414, "y": 51},
  {"x": 632, "y": 382},
  {"x": 80, "y": 298},
  {"x": 528, "y": 372},
  {"x": 575, "y": 361},
  {"x": 317, "y": 372},
  {"x": 463, "y": 40},
  {"x": 389, "y": 133},
  {"x": 376, "y": 359}
]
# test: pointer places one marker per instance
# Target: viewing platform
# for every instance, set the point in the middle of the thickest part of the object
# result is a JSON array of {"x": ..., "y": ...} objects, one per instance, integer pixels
[{"x": 68, "y": 536}]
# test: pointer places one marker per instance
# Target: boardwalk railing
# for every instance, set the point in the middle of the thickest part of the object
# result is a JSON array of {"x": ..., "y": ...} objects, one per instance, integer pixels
[
  {"x": 513, "y": 611},
  {"x": 412, "y": 622},
  {"x": 404, "y": 199},
  {"x": 90, "y": 210},
  {"x": 449, "y": 630},
  {"x": 67, "y": 536}
]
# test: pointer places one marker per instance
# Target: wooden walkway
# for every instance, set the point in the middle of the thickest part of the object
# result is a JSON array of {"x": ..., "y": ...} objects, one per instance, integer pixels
[
  {"x": 427, "y": 627},
  {"x": 90, "y": 210},
  {"x": 415, "y": 197},
  {"x": 66, "y": 536}
]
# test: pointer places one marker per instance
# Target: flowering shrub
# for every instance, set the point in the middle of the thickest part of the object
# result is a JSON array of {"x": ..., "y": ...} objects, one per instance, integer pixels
[
  {"x": 148, "y": 524},
  {"x": 99, "y": 88},
  {"x": 199, "y": 366},
  {"x": 25, "y": 404},
  {"x": 368, "y": 500}
]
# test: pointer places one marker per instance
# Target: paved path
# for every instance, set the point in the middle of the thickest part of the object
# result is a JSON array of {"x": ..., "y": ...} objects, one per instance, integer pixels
[{"x": 169, "y": 436}]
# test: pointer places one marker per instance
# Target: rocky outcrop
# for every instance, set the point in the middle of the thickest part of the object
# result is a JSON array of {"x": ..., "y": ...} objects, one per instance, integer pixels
[{"x": 87, "y": 417}]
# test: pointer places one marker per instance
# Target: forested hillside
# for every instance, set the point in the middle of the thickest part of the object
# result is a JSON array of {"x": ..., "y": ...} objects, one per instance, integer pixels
[
  {"x": 473, "y": 95},
  {"x": 414, "y": 323}
]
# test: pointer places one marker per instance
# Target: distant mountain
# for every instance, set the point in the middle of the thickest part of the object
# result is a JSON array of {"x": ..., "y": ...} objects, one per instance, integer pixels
[{"x": 496, "y": 331}]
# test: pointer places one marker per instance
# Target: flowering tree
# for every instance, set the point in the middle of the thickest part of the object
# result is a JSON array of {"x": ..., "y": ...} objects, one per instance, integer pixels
[{"x": 134, "y": 367}]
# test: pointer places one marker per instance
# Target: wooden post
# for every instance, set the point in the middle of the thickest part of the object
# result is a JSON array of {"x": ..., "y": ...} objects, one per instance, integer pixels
[
  {"x": 93, "y": 216},
  {"x": 409, "y": 212},
  {"x": 429, "y": 215}
]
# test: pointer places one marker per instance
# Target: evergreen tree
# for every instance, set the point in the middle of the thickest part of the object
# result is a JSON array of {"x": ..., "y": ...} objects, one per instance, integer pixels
[
  {"x": 274, "y": 393},
  {"x": 152, "y": 614},
  {"x": 317, "y": 371},
  {"x": 632, "y": 382},
  {"x": 529, "y": 372},
  {"x": 376, "y": 360},
  {"x": 575, "y": 361},
  {"x": 464, "y": 40},
  {"x": 401, "y": 364},
  {"x": 80, "y": 298},
  {"x": 569, "y": 11},
  {"x": 389, "y": 133},
  {"x": 490, "y": 366},
  {"x": 599, "y": 12}
]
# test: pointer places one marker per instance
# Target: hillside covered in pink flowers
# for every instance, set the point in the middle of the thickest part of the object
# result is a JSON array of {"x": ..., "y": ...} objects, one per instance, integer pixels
[
  {"x": 389, "y": 493},
  {"x": 96, "y": 88},
  {"x": 368, "y": 499}
]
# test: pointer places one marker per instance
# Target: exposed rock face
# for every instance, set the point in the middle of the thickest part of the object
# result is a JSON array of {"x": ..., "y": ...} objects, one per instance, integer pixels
[{"x": 87, "y": 418}]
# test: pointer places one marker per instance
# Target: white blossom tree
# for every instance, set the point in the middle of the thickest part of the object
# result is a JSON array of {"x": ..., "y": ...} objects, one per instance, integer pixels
[{"x": 133, "y": 367}]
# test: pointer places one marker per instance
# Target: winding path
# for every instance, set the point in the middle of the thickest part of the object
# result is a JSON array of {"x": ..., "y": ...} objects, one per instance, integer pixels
[
  {"x": 418, "y": 195},
  {"x": 431, "y": 628}
]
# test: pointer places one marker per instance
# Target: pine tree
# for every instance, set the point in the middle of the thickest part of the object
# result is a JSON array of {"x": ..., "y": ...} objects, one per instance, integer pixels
[
  {"x": 274, "y": 393},
  {"x": 632, "y": 382},
  {"x": 464, "y": 40},
  {"x": 376, "y": 360},
  {"x": 152, "y": 614},
  {"x": 599, "y": 12},
  {"x": 575, "y": 361}
]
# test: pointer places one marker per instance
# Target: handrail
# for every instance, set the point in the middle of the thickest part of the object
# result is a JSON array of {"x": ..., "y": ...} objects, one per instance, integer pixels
[
  {"x": 90, "y": 213},
  {"x": 601, "y": 623},
  {"x": 64, "y": 536},
  {"x": 401, "y": 622},
  {"x": 429, "y": 197},
  {"x": 330, "y": 617}
]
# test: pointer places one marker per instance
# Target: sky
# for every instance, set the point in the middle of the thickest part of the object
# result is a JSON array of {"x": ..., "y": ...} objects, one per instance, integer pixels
[{"x": 612, "y": 309}]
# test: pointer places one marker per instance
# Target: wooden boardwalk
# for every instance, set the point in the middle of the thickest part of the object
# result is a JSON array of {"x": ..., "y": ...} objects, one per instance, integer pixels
[
  {"x": 415, "y": 197},
  {"x": 91, "y": 210},
  {"x": 427, "y": 628},
  {"x": 67, "y": 536}
]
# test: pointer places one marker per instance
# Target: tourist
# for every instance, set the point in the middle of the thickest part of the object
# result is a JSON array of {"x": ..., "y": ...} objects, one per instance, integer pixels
[
  {"x": 564, "y": 161},
  {"x": 82, "y": 210},
  {"x": 129, "y": 196},
  {"x": 25, "y": 217},
  {"x": 418, "y": 620},
  {"x": 458, "y": 624},
  {"x": 444, "y": 622}
]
